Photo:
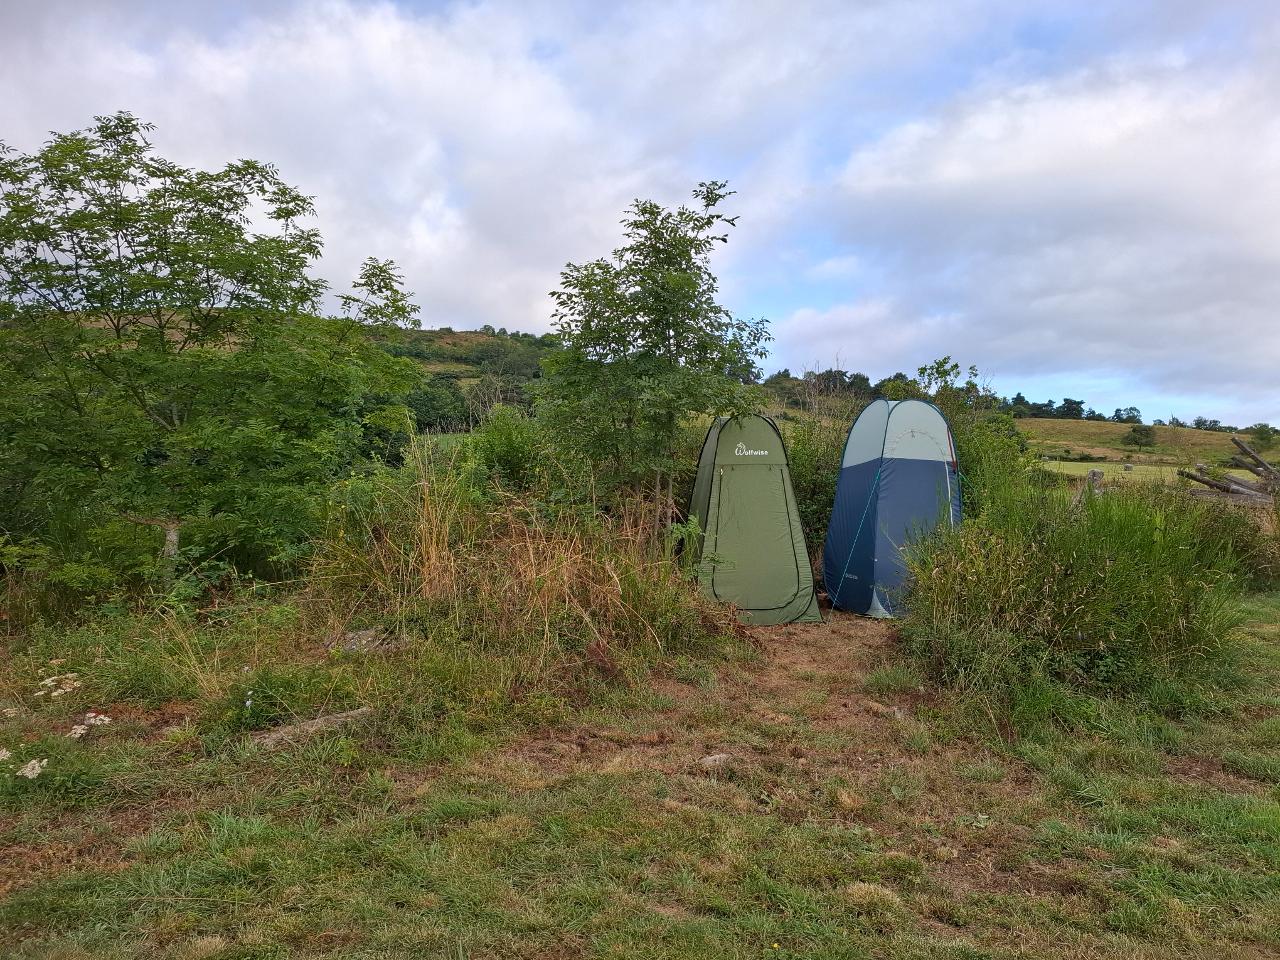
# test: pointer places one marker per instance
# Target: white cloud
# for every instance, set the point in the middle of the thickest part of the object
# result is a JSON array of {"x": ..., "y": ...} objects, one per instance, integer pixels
[
  {"x": 870, "y": 336},
  {"x": 1103, "y": 200},
  {"x": 1118, "y": 219}
]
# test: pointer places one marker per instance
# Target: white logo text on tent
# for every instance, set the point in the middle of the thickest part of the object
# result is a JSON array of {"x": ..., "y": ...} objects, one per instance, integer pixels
[{"x": 742, "y": 450}]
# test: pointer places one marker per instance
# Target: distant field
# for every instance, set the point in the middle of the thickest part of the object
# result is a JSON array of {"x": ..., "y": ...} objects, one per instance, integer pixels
[
  {"x": 1175, "y": 446},
  {"x": 1116, "y": 470}
]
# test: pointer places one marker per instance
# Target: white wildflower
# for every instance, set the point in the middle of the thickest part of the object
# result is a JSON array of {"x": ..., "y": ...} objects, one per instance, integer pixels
[
  {"x": 5, "y": 754},
  {"x": 91, "y": 719},
  {"x": 32, "y": 768},
  {"x": 58, "y": 685}
]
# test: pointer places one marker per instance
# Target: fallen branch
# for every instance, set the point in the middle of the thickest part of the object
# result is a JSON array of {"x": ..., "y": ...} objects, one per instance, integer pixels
[
  {"x": 278, "y": 736},
  {"x": 1243, "y": 499},
  {"x": 1208, "y": 481},
  {"x": 1248, "y": 485},
  {"x": 1249, "y": 452},
  {"x": 1249, "y": 465}
]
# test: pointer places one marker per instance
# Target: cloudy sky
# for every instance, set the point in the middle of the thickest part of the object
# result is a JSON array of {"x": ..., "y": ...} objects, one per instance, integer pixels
[{"x": 1083, "y": 199}]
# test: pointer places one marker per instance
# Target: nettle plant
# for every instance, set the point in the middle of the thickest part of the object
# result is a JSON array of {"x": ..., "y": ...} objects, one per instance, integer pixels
[{"x": 163, "y": 362}]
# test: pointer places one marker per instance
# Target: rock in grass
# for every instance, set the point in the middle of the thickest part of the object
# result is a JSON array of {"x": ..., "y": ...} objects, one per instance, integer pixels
[
  {"x": 368, "y": 640},
  {"x": 885, "y": 711},
  {"x": 279, "y": 736},
  {"x": 715, "y": 761}
]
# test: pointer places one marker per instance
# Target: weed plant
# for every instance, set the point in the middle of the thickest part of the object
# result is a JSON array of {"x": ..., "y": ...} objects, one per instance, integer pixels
[{"x": 1133, "y": 592}]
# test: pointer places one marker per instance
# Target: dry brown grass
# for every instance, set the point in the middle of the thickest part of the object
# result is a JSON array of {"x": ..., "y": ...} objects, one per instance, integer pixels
[{"x": 499, "y": 573}]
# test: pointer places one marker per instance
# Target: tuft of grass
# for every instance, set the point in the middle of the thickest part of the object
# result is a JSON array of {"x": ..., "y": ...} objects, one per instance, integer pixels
[
  {"x": 1264, "y": 767},
  {"x": 501, "y": 595},
  {"x": 898, "y": 677}
]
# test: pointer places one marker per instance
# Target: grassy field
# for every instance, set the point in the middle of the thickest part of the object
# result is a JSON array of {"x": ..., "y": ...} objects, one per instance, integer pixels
[
  {"x": 1177, "y": 446},
  {"x": 802, "y": 795},
  {"x": 1116, "y": 470}
]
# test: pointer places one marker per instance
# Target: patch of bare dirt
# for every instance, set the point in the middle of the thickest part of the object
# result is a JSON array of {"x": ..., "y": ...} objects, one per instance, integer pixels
[
  {"x": 796, "y": 733},
  {"x": 1209, "y": 771},
  {"x": 97, "y": 847}
]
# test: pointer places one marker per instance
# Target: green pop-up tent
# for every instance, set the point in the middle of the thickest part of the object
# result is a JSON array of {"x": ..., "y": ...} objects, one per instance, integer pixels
[{"x": 752, "y": 552}]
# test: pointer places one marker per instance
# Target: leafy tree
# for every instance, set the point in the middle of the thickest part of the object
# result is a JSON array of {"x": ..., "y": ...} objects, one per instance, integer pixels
[
  {"x": 787, "y": 388},
  {"x": 839, "y": 381},
  {"x": 379, "y": 297},
  {"x": 1263, "y": 436},
  {"x": 437, "y": 405},
  {"x": 1127, "y": 415},
  {"x": 162, "y": 366},
  {"x": 896, "y": 387},
  {"x": 646, "y": 343},
  {"x": 859, "y": 383},
  {"x": 1140, "y": 435},
  {"x": 1071, "y": 409},
  {"x": 1017, "y": 406}
]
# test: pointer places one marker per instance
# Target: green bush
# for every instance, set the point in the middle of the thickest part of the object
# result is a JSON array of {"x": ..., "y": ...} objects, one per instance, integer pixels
[
  {"x": 501, "y": 600},
  {"x": 508, "y": 449},
  {"x": 992, "y": 456},
  {"x": 815, "y": 446},
  {"x": 286, "y": 694},
  {"x": 1118, "y": 593}
]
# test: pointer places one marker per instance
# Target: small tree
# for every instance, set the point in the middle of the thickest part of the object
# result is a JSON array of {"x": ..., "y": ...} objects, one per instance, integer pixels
[
  {"x": 1263, "y": 436},
  {"x": 1140, "y": 435},
  {"x": 646, "y": 343}
]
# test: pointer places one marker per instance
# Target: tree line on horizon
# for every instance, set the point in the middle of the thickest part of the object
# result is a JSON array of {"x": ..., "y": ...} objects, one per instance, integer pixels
[{"x": 835, "y": 381}]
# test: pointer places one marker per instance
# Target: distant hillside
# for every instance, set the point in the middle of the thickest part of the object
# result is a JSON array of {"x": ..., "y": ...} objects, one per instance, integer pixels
[
  {"x": 466, "y": 372},
  {"x": 467, "y": 355},
  {"x": 1068, "y": 439}
]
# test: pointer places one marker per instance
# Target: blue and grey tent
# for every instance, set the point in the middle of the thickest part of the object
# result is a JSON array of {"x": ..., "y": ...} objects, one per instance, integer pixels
[{"x": 898, "y": 480}]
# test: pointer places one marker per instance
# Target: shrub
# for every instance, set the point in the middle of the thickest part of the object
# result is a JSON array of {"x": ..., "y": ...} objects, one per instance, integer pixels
[
  {"x": 992, "y": 456},
  {"x": 498, "y": 601},
  {"x": 1116, "y": 594},
  {"x": 508, "y": 449},
  {"x": 815, "y": 446},
  {"x": 1140, "y": 435}
]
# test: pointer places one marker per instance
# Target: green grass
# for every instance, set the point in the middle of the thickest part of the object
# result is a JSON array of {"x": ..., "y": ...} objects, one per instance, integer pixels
[
  {"x": 481, "y": 834},
  {"x": 1174, "y": 445},
  {"x": 1127, "y": 472},
  {"x": 1040, "y": 597}
]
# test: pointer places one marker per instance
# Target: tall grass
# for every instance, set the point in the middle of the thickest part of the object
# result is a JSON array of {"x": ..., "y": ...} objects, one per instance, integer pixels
[
  {"x": 516, "y": 597},
  {"x": 1123, "y": 592}
]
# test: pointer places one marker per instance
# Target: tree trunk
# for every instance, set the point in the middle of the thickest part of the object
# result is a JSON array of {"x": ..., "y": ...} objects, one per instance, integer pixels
[{"x": 172, "y": 541}]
